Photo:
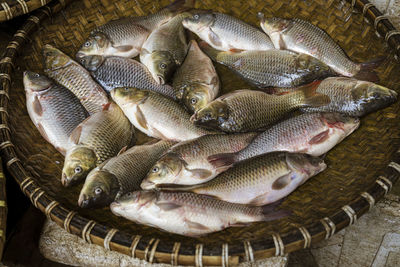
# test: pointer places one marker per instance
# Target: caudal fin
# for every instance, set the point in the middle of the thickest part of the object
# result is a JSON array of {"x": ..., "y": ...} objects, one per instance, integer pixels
[
  {"x": 270, "y": 213},
  {"x": 367, "y": 72},
  {"x": 180, "y": 6},
  {"x": 310, "y": 97},
  {"x": 222, "y": 160}
]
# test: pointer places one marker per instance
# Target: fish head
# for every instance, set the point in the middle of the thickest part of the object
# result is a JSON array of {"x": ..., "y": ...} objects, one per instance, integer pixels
[
  {"x": 273, "y": 25},
  {"x": 78, "y": 163},
  {"x": 36, "y": 82},
  {"x": 212, "y": 115},
  {"x": 161, "y": 64},
  {"x": 305, "y": 164},
  {"x": 165, "y": 171},
  {"x": 54, "y": 58},
  {"x": 96, "y": 44},
  {"x": 196, "y": 97},
  {"x": 342, "y": 122},
  {"x": 371, "y": 97},
  {"x": 91, "y": 63},
  {"x": 199, "y": 20},
  {"x": 131, "y": 203},
  {"x": 100, "y": 189},
  {"x": 124, "y": 96}
]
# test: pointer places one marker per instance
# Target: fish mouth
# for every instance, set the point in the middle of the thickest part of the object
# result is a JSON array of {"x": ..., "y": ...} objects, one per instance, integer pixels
[
  {"x": 160, "y": 79},
  {"x": 83, "y": 201},
  {"x": 116, "y": 208},
  {"x": 80, "y": 55},
  {"x": 67, "y": 181},
  {"x": 193, "y": 118},
  {"x": 146, "y": 185}
]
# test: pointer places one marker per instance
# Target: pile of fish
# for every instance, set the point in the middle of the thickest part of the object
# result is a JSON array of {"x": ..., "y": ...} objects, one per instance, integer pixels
[{"x": 221, "y": 160}]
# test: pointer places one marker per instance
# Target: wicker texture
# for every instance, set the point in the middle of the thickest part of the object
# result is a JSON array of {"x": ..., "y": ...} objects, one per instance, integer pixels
[
  {"x": 361, "y": 170},
  {"x": 3, "y": 210},
  {"x": 12, "y": 8}
]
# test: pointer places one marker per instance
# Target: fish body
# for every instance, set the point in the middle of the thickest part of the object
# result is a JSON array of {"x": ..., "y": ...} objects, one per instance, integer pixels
[
  {"x": 156, "y": 115},
  {"x": 303, "y": 37},
  {"x": 186, "y": 162},
  {"x": 165, "y": 49},
  {"x": 224, "y": 32},
  {"x": 271, "y": 68},
  {"x": 125, "y": 37},
  {"x": 75, "y": 78},
  {"x": 113, "y": 72},
  {"x": 100, "y": 137},
  {"x": 120, "y": 174},
  {"x": 353, "y": 97},
  {"x": 249, "y": 110},
  {"x": 260, "y": 180},
  {"x": 187, "y": 213},
  {"x": 311, "y": 133},
  {"x": 49, "y": 106},
  {"x": 196, "y": 82}
]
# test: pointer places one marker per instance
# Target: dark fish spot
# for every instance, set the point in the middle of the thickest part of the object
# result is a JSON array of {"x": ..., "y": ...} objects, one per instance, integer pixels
[{"x": 281, "y": 182}]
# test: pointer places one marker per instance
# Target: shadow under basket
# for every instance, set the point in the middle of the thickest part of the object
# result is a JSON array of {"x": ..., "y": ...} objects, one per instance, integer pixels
[{"x": 361, "y": 170}]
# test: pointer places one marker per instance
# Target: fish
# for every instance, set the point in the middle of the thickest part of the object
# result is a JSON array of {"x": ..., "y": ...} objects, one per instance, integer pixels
[
  {"x": 196, "y": 82},
  {"x": 353, "y": 97},
  {"x": 120, "y": 175},
  {"x": 271, "y": 68},
  {"x": 165, "y": 49},
  {"x": 113, "y": 72},
  {"x": 311, "y": 133},
  {"x": 156, "y": 115},
  {"x": 258, "y": 181},
  {"x": 75, "y": 78},
  {"x": 186, "y": 162},
  {"x": 189, "y": 214},
  {"x": 250, "y": 110},
  {"x": 226, "y": 33},
  {"x": 303, "y": 37},
  {"x": 49, "y": 106},
  {"x": 101, "y": 136},
  {"x": 125, "y": 37}
]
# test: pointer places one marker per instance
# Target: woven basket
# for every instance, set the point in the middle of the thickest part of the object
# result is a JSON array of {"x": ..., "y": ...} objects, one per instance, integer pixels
[
  {"x": 3, "y": 210},
  {"x": 12, "y": 8},
  {"x": 361, "y": 170}
]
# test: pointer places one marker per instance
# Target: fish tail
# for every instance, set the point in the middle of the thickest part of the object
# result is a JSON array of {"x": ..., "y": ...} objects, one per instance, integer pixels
[
  {"x": 222, "y": 160},
  {"x": 310, "y": 96},
  {"x": 270, "y": 213},
  {"x": 367, "y": 72},
  {"x": 179, "y": 6},
  {"x": 210, "y": 51}
]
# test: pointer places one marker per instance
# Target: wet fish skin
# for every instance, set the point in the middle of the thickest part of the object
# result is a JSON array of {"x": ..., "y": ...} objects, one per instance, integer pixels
[
  {"x": 75, "y": 78},
  {"x": 249, "y": 110},
  {"x": 311, "y": 133},
  {"x": 98, "y": 138},
  {"x": 165, "y": 49},
  {"x": 196, "y": 82},
  {"x": 155, "y": 115},
  {"x": 120, "y": 174},
  {"x": 187, "y": 213},
  {"x": 303, "y": 37},
  {"x": 353, "y": 97},
  {"x": 187, "y": 162},
  {"x": 113, "y": 72},
  {"x": 260, "y": 180},
  {"x": 49, "y": 106},
  {"x": 224, "y": 32},
  {"x": 125, "y": 37},
  {"x": 271, "y": 68}
]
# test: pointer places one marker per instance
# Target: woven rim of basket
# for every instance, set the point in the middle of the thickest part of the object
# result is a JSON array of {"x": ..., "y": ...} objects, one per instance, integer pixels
[
  {"x": 145, "y": 247},
  {"x": 19, "y": 7}
]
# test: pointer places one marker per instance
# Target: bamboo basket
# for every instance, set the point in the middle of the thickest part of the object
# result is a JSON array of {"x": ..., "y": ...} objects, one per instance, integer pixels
[
  {"x": 361, "y": 170},
  {"x": 12, "y": 8}
]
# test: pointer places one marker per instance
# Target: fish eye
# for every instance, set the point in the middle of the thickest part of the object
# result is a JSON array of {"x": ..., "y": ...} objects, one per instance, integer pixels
[
  {"x": 98, "y": 191},
  {"x": 155, "y": 169},
  {"x": 87, "y": 44},
  {"x": 37, "y": 75},
  {"x": 196, "y": 16},
  {"x": 163, "y": 65},
  {"x": 126, "y": 88},
  {"x": 193, "y": 101},
  {"x": 208, "y": 116},
  {"x": 78, "y": 169},
  {"x": 83, "y": 61},
  {"x": 129, "y": 194}
]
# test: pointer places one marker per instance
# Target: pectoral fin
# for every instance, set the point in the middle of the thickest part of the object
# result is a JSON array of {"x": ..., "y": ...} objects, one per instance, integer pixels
[
  {"x": 281, "y": 182},
  {"x": 214, "y": 38},
  {"x": 76, "y": 135},
  {"x": 200, "y": 173},
  {"x": 198, "y": 226},
  {"x": 319, "y": 138},
  {"x": 140, "y": 118},
  {"x": 167, "y": 206},
  {"x": 124, "y": 48}
]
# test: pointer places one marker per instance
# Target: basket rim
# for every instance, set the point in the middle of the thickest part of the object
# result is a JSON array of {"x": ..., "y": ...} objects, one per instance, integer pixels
[
  {"x": 16, "y": 8},
  {"x": 147, "y": 248}
]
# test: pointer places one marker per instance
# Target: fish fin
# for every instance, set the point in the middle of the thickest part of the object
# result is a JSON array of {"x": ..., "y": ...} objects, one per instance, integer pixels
[
  {"x": 160, "y": 134},
  {"x": 214, "y": 81},
  {"x": 179, "y": 6},
  {"x": 39, "y": 126},
  {"x": 167, "y": 206},
  {"x": 235, "y": 50},
  {"x": 124, "y": 48},
  {"x": 140, "y": 118},
  {"x": 319, "y": 138},
  {"x": 210, "y": 51},
  {"x": 311, "y": 97},
  {"x": 214, "y": 38},
  {"x": 76, "y": 135},
  {"x": 241, "y": 224},
  {"x": 37, "y": 107},
  {"x": 175, "y": 187},
  {"x": 373, "y": 64},
  {"x": 222, "y": 160},
  {"x": 281, "y": 182},
  {"x": 122, "y": 150},
  {"x": 259, "y": 200},
  {"x": 201, "y": 173},
  {"x": 195, "y": 225},
  {"x": 270, "y": 214},
  {"x": 367, "y": 72}
]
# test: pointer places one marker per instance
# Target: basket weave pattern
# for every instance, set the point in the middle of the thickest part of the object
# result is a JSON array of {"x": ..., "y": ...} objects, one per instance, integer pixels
[{"x": 361, "y": 170}]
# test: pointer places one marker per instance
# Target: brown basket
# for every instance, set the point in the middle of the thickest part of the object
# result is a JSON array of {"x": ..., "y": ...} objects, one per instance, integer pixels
[
  {"x": 12, "y": 8},
  {"x": 3, "y": 210},
  {"x": 361, "y": 170}
]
